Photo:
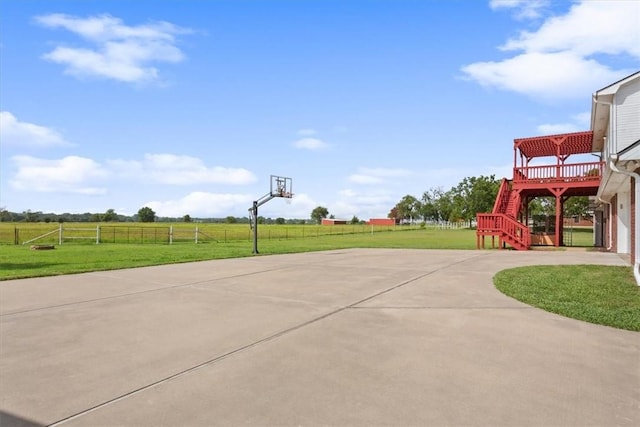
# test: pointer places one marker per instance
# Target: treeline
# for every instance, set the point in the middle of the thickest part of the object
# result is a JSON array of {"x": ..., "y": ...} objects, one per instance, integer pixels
[
  {"x": 111, "y": 216},
  {"x": 461, "y": 203},
  {"x": 471, "y": 196}
]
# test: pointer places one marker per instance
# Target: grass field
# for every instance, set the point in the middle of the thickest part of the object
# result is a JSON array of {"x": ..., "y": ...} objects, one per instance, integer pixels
[
  {"x": 162, "y": 233},
  {"x": 605, "y": 295},
  {"x": 159, "y": 233},
  {"x": 18, "y": 261},
  {"x": 578, "y": 236},
  {"x": 124, "y": 245},
  {"x": 564, "y": 290}
]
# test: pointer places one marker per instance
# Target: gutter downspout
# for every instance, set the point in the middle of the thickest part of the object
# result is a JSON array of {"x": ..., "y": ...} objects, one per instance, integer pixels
[
  {"x": 601, "y": 200},
  {"x": 612, "y": 159},
  {"x": 636, "y": 177}
]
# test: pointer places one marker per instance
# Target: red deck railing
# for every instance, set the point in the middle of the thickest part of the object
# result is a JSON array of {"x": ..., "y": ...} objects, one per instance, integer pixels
[
  {"x": 574, "y": 172},
  {"x": 515, "y": 233},
  {"x": 502, "y": 199}
]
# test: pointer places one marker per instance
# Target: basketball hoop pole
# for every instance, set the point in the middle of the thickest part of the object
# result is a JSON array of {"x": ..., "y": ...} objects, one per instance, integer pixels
[{"x": 280, "y": 187}]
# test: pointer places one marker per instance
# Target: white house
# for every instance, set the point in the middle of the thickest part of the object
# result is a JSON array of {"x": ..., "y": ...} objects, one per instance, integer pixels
[{"x": 615, "y": 122}]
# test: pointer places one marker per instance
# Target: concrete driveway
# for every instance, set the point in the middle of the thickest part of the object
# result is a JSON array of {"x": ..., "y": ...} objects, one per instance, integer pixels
[{"x": 356, "y": 337}]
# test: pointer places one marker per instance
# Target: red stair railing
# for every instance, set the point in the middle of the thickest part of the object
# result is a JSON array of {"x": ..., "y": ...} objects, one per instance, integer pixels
[
  {"x": 508, "y": 229},
  {"x": 502, "y": 199}
]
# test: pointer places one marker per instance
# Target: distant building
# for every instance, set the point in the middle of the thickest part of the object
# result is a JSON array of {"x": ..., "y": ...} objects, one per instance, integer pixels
[
  {"x": 381, "y": 221},
  {"x": 332, "y": 221}
]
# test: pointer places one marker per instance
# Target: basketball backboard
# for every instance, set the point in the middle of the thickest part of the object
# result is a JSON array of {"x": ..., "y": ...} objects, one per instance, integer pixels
[{"x": 281, "y": 186}]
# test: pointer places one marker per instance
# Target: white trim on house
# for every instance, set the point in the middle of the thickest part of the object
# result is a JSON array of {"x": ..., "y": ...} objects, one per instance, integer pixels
[{"x": 615, "y": 122}]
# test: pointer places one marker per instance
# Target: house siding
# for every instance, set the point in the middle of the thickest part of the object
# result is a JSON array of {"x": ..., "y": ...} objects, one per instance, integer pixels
[
  {"x": 623, "y": 229},
  {"x": 633, "y": 219},
  {"x": 627, "y": 125},
  {"x": 613, "y": 238}
]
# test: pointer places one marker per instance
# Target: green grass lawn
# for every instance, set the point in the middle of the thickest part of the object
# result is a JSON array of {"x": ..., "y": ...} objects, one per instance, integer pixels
[
  {"x": 598, "y": 294},
  {"x": 18, "y": 261},
  {"x": 578, "y": 236},
  {"x": 159, "y": 233},
  {"x": 605, "y": 295}
]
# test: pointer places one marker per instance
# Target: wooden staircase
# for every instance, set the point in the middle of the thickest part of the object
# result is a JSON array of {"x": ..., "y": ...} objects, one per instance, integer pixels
[
  {"x": 560, "y": 180},
  {"x": 502, "y": 222}
]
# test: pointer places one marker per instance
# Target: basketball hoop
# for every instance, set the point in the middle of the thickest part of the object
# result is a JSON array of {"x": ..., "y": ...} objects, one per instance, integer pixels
[{"x": 280, "y": 186}]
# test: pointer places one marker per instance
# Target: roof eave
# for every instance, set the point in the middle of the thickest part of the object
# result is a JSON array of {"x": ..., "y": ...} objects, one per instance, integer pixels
[{"x": 599, "y": 119}]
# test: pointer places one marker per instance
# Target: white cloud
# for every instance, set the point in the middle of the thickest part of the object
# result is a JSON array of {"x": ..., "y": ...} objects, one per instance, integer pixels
[
  {"x": 590, "y": 27},
  {"x": 544, "y": 75},
  {"x": 524, "y": 9},
  {"x": 369, "y": 176},
  {"x": 202, "y": 204},
  {"x": 364, "y": 205},
  {"x": 580, "y": 122},
  {"x": 300, "y": 206},
  {"x": 181, "y": 170},
  {"x": 115, "y": 51},
  {"x": 312, "y": 144},
  {"x": 364, "y": 179},
  {"x": 582, "y": 119},
  {"x": 560, "y": 59},
  {"x": 23, "y": 134},
  {"x": 74, "y": 174},
  {"x": 553, "y": 129},
  {"x": 347, "y": 193},
  {"x": 385, "y": 172},
  {"x": 70, "y": 174},
  {"x": 205, "y": 204}
]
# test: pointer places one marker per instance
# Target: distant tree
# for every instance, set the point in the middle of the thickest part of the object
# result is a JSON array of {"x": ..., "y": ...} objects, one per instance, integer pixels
[
  {"x": 318, "y": 213},
  {"x": 444, "y": 206},
  {"x": 433, "y": 205},
  {"x": 473, "y": 195},
  {"x": 408, "y": 208},
  {"x": 394, "y": 214},
  {"x": 146, "y": 214},
  {"x": 577, "y": 206},
  {"x": 231, "y": 220},
  {"x": 261, "y": 220},
  {"x": 5, "y": 215},
  {"x": 109, "y": 215},
  {"x": 542, "y": 206},
  {"x": 355, "y": 220},
  {"x": 186, "y": 218},
  {"x": 30, "y": 216},
  {"x": 280, "y": 221}
]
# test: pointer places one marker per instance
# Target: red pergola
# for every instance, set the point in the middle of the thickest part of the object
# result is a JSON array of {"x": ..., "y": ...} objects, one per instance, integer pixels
[
  {"x": 560, "y": 146},
  {"x": 509, "y": 219}
]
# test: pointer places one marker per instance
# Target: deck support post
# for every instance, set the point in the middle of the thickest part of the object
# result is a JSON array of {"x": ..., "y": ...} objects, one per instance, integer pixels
[{"x": 558, "y": 192}]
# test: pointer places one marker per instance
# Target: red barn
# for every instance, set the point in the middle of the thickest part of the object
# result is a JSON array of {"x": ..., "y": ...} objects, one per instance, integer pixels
[
  {"x": 330, "y": 221},
  {"x": 381, "y": 221}
]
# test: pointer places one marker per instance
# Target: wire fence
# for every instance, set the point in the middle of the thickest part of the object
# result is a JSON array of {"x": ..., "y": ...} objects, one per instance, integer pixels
[{"x": 77, "y": 233}]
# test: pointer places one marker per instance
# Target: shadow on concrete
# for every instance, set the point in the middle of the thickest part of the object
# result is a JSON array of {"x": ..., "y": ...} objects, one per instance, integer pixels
[{"x": 10, "y": 420}]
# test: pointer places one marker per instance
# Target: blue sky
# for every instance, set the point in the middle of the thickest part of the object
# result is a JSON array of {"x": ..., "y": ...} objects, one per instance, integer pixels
[{"x": 189, "y": 106}]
